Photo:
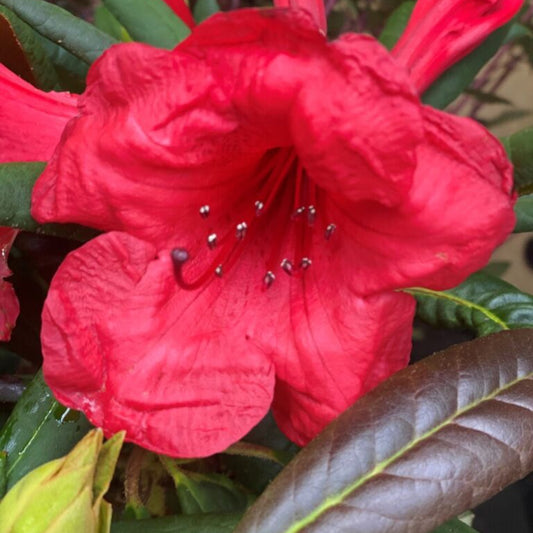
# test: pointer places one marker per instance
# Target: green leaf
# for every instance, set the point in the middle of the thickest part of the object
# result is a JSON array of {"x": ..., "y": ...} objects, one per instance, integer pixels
[
  {"x": 252, "y": 465},
  {"x": 22, "y": 52},
  {"x": 519, "y": 147},
  {"x": 71, "y": 71},
  {"x": 38, "y": 430},
  {"x": 247, "y": 449},
  {"x": 255, "y": 470},
  {"x": 454, "y": 526},
  {"x": 106, "y": 22},
  {"x": 149, "y": 22},
  {"x": 202, "y": 523},
  {"x": 396, "y": 24},
  {"x": 435, "y": 439},
  {"x": 518, "y": 31},
  {"x": 3, "y": 473},
  {"x": 524, "y": 214},
  {"x": 16, "y": 184},
  {"x": 204, "y": 493},
  {"x": 497, "y": 268},
  {"x": 80, "y": 38},
  {"x": 483, "y": 303},
  {"x": 458, "y": 77},
  {"x": 204, "y": 9}
]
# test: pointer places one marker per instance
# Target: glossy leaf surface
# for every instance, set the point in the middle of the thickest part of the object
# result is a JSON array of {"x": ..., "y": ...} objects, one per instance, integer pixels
[
  {"x": 483, "y": 304},
  {"x": 149, "y": 22},
  {"x": 80, "y": 38},
  {"x": 38, "y": 430},
  {"x": 434, "y": 440},
  {"x": 22, "y": 52}
]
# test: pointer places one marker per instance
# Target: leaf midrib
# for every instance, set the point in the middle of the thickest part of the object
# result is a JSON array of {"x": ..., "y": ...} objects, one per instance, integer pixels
[
  {"x": 335, "y": 500},
  {"x": 21, "y": 453},
  {"x": 461, "y": 301}
]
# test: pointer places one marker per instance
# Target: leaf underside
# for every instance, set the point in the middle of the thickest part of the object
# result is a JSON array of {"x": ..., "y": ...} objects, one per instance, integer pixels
[{"x": 432, "y": 441}]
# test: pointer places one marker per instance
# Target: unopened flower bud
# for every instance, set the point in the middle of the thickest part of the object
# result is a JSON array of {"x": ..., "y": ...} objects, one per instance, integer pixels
[{"x": 65, "y": 495}]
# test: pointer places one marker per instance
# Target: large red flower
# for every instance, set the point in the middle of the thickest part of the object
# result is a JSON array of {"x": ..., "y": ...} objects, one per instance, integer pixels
[{"x": 264, "y": 193}]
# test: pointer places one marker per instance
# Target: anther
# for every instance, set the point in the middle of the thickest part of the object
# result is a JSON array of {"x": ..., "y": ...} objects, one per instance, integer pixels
[
  {"x": 240, "y": 230},
  {"x": 204, "y": 211},
  {"x": 179, "y": 256},
  {"x": 300, "y": 211},
  {"x": 286, "y": 265},
  {"x": 212, "y": 241},
  {"x": 311, "y": 215},
  {"x": 269, "y": 279},
  {"x": 305, "y": 262},
  {"x": 259, "y": 206},
  {"x": 330, "y": 230},
  {"x": 218, "y": 271}
]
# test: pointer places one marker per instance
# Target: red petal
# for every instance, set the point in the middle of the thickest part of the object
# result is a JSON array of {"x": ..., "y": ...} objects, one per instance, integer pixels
[
  {"x": 441, "y": 32},
  {"x": 356, "y": 126},
  {"x": 459, "y": 209},
  {"x": 31, "y": 121},
  {"x": 172, "y": 368},
  {"x": 9, "y": 310},
  {"x": 162, "y": 133},
  {"x": 9, "y": 306},
  {"x": 145, "y": 159},
  {"x": 314, "y": 7},
  {"x": 341, "y": 346}
]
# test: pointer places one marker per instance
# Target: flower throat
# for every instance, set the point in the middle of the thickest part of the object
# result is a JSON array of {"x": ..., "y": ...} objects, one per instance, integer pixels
[{"x": 280, "y": 173}]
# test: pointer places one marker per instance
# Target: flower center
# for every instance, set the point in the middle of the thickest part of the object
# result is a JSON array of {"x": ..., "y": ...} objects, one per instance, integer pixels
[{"x": 281, "y": 176}]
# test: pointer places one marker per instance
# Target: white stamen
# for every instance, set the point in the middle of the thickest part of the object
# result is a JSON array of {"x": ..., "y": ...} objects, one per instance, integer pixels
[
  {"x": 286, "y": 265},
  {"x": 204, "y": 211},
  {"x": 240, "y": 231},
  {"x": 305, "y": 262},
  {"x": 300, "y": 211},
  {"x": 311, "y": 215},
  {"x": 259, "y": 206},
  {"x": 218, "y": 271},
  {"x": 269, "y": 279},
  {"x": 212, "y": 241},
  {"x": 330, "y": 230}
]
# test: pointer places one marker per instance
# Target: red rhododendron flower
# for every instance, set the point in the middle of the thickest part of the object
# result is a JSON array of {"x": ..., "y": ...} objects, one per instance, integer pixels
[
  {"x": 264, "y": 192},
  {"x": 440, "y": 32}
]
